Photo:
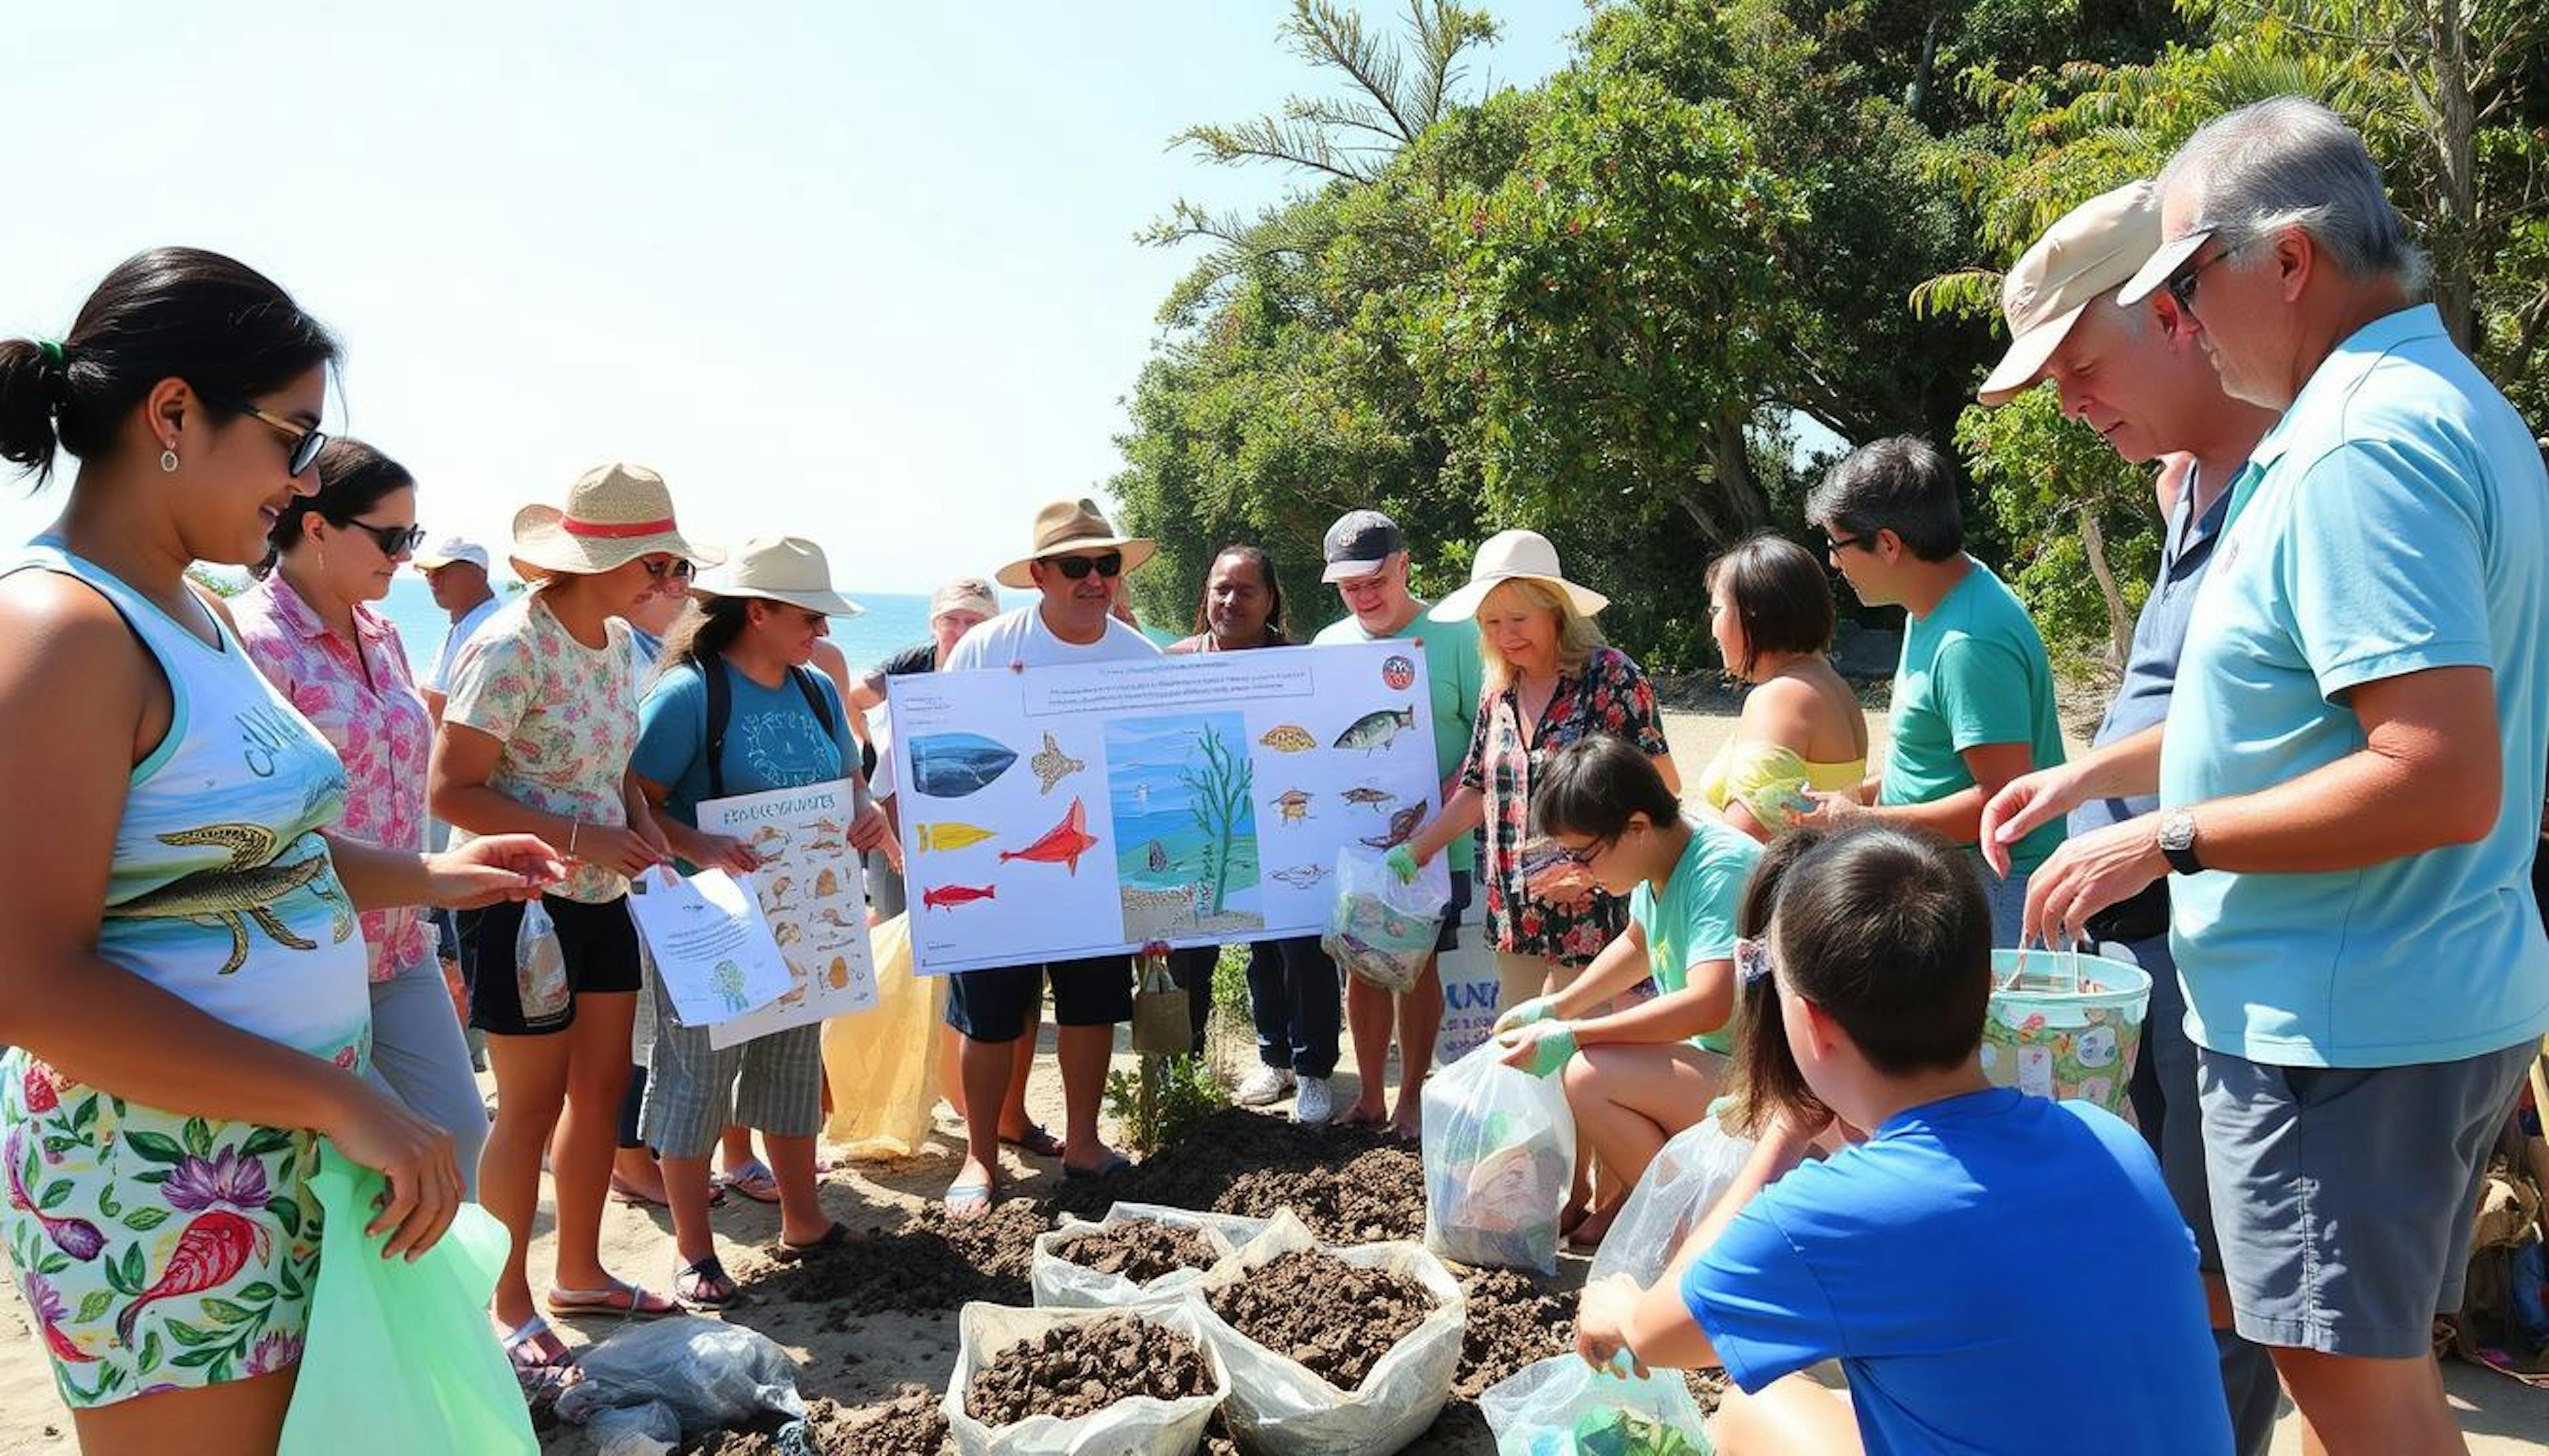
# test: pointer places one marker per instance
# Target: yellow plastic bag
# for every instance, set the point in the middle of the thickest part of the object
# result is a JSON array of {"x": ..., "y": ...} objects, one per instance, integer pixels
[{"x": 882, "y": 1064}]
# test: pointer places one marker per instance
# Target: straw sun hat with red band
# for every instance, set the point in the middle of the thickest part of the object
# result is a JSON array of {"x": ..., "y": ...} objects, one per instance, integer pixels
[{"x": 613, "y": 515}]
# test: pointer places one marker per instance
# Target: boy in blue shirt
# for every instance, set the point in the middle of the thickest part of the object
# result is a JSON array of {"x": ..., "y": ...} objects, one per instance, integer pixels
[{"x": 1984, "y": 1265}]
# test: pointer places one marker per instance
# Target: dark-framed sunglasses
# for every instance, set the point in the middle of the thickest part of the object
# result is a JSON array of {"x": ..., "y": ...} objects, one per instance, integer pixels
[
  {"x": 674, "y": 567},
  {"x": 1835, "y": 545},
  {"x": 2181, "y": 285},
  {"x": 393, "y": 541},
  {"x": 306, "y": 441},
  {"x": 1074, "y": 568}
]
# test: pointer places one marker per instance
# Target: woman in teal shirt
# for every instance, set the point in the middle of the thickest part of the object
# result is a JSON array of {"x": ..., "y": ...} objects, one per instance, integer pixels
[{"x": 1636, "y": 1076}]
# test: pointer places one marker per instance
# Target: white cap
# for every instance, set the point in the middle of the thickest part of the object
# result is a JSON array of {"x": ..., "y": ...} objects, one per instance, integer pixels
[{"x": 449, "y": 549}]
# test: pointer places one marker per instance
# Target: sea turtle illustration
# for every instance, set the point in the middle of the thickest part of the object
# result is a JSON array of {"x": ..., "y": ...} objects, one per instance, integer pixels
[
  {"x": 242, "y": 892},
  {"x": 1293, "y": 804}
]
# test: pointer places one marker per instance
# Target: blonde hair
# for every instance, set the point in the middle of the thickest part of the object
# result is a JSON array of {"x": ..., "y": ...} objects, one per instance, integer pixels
[{"x": 1578, "y": 635}]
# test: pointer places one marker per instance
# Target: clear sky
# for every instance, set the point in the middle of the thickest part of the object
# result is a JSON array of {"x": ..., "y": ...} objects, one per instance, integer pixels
[{"x": 857, "y": 272}]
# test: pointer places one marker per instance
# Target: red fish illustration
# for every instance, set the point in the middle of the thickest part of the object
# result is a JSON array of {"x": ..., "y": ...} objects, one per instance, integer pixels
[
  {"x": 947, "y": 896},
  {"x": 1063, "y": 844},
  {"x": 212, "y": 1248}
]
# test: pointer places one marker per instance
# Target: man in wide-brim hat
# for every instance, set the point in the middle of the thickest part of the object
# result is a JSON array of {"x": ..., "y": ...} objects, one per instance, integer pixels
[{"x": 1076, "y": 561}]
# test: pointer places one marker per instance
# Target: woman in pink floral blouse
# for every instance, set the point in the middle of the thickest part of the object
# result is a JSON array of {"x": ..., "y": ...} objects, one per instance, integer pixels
[{"x": 309, "y": 627}]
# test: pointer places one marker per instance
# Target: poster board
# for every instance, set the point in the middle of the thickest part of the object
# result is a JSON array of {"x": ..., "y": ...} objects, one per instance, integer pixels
[
  {"x": 812, "y": 891},
  {"x": 1056, "y": 812}
]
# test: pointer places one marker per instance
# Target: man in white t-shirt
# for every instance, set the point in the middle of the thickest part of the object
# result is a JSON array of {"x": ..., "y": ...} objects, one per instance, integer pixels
[
  {"x": 455, "y": 568},
  {"x": 1076, "y": 563}
]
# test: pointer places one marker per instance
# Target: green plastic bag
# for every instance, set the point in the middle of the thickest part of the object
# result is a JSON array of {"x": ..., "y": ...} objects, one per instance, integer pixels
[{"x": 400, "y": 1359}]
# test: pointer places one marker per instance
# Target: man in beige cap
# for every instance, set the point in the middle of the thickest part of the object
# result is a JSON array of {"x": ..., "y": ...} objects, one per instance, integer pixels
[
  {"x": 455, "y": 570},
  {"x": 2136, "y": 375},
  {"x": 1075, "y": 562}
]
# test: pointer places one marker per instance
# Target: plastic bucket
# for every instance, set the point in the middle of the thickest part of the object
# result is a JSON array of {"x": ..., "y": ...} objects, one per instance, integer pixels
[{"x": 2066, "y": 1024}]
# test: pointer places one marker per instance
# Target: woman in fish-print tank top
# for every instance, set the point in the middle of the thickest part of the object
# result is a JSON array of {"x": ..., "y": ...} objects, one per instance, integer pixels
[{"x": 185, "y": 999}]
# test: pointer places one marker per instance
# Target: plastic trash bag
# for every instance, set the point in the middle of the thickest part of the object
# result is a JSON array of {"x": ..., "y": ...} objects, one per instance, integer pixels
[
  {"x": 708, "y": 1374},
  {"x": 1684, "y": 1182},
  {"x": 1499, "y": 1155},
  {"x": 651, "y": 1430},
  {"x": 539, "y": 966},
  {"x": 400, "y": 1360},
  {"x": 882, "y": 1064},
  {"x": 1382, "y": 930},
  {"x": 1562, "y": 1406},
  {"x": 1278, "y": 1407},
  {"x": 1137, "y": 1425},
  {"x": 1060, "y": 1284}
]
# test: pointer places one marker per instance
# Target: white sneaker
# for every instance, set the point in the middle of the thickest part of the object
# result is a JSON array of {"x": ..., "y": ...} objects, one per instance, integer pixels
[
  {"x": 1316, "y": 1104},
  {"x": 1266, "y": 1085}
]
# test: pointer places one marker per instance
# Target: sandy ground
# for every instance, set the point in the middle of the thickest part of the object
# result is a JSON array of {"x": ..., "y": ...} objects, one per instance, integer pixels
[{"x": 868, "y": 1362}]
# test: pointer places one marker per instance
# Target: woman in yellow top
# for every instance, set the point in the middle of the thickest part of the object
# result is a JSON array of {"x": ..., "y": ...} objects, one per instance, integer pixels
[{"x": 1771, "y": 612}]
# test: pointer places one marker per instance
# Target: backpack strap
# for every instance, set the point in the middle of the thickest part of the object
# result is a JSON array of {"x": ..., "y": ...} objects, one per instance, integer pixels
[
  {"x": 813, "y": 698},
  {"x": 721, "y": 707}
]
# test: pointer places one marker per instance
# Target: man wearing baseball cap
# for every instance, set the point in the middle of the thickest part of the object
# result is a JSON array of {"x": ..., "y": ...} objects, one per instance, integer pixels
[
  {"x": 1367, "y": 565},
  {"x": 2136, "y": 374},
  {"x": 455, "y": 568}
]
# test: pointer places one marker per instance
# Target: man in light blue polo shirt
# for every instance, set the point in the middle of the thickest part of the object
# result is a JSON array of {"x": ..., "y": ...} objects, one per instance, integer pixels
[{"x": 2350, "y": 779}]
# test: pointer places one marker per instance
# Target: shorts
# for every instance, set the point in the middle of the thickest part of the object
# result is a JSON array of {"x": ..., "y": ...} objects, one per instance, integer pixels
[
  {"x": 1450, "y": 938},
  {"x": 2343, "y": 1196},
  {"x": 998, "y": 1004},
  {"x": 599, "y": 943}
]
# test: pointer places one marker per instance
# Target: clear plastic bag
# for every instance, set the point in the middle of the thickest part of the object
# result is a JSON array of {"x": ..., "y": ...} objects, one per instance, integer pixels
[
  {"x": 1562, "y": 1406},
  {"x": 539, "y": 966},
  {"x": 1676, "y": 1191},
  {"x": 709, "y": 1374},
  {"x": 1499, "y": 1155},
  {"x": 1137, "y": 1425},
  {"x": 1383, "y": 928},
  {"x": 1060, "y": 1284},
  {"x": 1276, "y": 1407}
]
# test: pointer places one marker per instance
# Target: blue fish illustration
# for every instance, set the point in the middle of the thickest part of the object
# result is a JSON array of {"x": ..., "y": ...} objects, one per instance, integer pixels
[{"x": 950, "y": 766}]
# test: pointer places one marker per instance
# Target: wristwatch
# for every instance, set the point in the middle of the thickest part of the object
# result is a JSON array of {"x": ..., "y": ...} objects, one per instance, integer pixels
[{"x": 2177, "y": 842}]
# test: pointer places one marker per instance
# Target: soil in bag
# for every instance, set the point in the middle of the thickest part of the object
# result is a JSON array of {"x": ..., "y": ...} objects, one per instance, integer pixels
[
  {"x": 1083, "y": 1367},
  {"x": 1138, "y": 1249},
  {"x": 1334, "y": 1318}
]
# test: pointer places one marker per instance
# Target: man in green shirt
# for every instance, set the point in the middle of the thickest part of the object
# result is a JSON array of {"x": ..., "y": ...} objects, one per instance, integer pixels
[
  {"x": 1973, "y": 694},
  {"x": 1367, "y": 558}
]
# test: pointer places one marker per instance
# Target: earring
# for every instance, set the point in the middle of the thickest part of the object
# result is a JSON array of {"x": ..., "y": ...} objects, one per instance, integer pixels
[{"x": 168, "y": 460}]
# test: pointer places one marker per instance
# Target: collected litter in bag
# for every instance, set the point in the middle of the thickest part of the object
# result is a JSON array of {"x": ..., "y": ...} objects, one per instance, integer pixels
[
  {"x": 1677, "y": 1192},
  {"x": 399, "y": 1360},
  {"x": 539, "y": 966},
  {"x": 1562, "y": 1406},
  {"x": 1499, "y": 1155},
  {"x": 1383, "y": 928},
  {"x": 1073, "y": 1361},
  {"x": 1155, "y": 1254},
  {"x": 1278, "y": 1404},
  {"x": 708, "y": 1374},
  {"x": 2064, "y": 1024}
]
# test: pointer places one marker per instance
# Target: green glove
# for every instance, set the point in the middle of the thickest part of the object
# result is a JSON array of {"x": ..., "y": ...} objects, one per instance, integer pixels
[
  {"x": 1402, "y": 863},
  {"x": 1538, "y": 1008},
  {"x": 1550, "y": 1048}
]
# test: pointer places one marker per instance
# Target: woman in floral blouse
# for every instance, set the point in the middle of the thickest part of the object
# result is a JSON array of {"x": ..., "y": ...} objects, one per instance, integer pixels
[
  {"x": 308, "y": 628},
  {"x": 536, "y": 737}
]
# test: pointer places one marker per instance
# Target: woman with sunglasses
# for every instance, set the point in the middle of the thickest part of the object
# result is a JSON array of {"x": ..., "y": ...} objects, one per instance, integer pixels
[
  {"x": 308, "y": 626},
  {"x": 182, "y": 982},
  {"x": 536, "y": 737}
]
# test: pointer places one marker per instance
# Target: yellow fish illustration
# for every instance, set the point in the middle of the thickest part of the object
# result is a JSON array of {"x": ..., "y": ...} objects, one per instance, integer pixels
[{"x": 944, "y": 837}]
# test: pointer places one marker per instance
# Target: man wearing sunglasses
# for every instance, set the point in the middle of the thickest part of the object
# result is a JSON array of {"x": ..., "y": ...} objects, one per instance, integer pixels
[
  {"x": 2351, "y": 782},
  {"x": 1075, "y": 563}
]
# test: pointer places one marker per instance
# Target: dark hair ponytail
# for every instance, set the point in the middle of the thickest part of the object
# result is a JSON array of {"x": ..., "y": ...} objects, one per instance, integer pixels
[
  {"x": 707, "y": 627},
  {"x": 1766, "y": 1080},
  {"x": 172, "y": 312},
  {"x": 352, "y": 479}
]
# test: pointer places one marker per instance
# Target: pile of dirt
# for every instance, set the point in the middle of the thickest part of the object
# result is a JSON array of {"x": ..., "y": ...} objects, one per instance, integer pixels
[
  {"x": 935, "y": 1262},
  {"x": 1138, "y": 1249},
  {"x": 1515, "y": 1319},
  {"x": 1376, "y": 1194},
  {"x": 1335, "y": 1318},
  {"x": 1085, "y": 1366}
]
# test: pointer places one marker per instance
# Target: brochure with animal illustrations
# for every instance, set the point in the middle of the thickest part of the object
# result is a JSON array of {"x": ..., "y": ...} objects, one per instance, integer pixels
[
  {"x": 1085, "y": 809},
  {"x": 815, "y": 896}
]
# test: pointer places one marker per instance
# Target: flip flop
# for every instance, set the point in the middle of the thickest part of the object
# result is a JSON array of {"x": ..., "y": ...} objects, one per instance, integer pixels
[
  {"x": 543, "y": 1375},
  {"x": 629, "y": 1301},
  {"x": 753, "y": 1180},
  {"x": 1035, "y": 1140},
  {"x": 840, "y": 1235},
  {"x": 1115, "y": 1163},
  {"x": 637, "y": 1198},
  {"x": 968, "y": 1199},
  {"x": 695, "y": 1285}
]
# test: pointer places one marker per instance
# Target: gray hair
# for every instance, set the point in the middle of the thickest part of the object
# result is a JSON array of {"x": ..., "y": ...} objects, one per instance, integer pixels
[{"x": 2290, "y": 162}]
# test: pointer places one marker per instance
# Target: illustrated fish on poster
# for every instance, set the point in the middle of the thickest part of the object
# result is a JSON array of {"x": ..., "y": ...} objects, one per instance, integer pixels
[
  {"x": 1053, "y": 766},
  {"x": 1292, "y": 805},
  {"x": 945, "y": 837},
  {"x": 1288, "y": 738},
  {"x": 948, "y": 896},
  {"x": 950, "y": 766},
  {"x": 1373, "y": 798},
  {"x": 1401, "y": 825},
  {"x": 1374, "y": 732},
  {"x": 1063, "y": 844}
]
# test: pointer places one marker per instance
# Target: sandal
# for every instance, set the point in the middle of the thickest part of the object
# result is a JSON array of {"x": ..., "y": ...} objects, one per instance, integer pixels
[
  {"x": 704, "y": 1285},
  {"x": 629, "y": 1301},
  {"x": 637, "y": 1198},
  {"x": 542, "y": 1364},
  {"x": 753, "y": 1180},
  {"x": 970, "y": 1200},
  {"x": 840, "y": 1235},
  {"x": 1115, "y": 1163},
  {"x": 1035, "y": 1140}
]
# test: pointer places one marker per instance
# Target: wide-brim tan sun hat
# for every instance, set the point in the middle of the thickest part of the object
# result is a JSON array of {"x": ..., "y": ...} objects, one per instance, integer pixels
[
  {"x": 613, "y": 515},
  {"x": 1513, "y": 556},
  {"x": 1062, "y": 526},
  {"x": 783, "y": 569}
]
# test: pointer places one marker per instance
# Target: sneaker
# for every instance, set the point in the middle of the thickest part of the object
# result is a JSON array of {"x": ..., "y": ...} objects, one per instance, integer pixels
[
  {"x": 1266, "y": 1085},
  {"x": 1316, "y": 1104}
]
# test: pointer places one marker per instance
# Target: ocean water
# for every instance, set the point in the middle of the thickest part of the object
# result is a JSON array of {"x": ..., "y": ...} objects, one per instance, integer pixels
[{"x": 891, "y": 623}]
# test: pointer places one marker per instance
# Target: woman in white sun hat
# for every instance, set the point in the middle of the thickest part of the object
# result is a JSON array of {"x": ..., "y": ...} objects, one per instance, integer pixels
[
  {"x": 743, "y": 645},
  {"x": 536, "y": 737}
]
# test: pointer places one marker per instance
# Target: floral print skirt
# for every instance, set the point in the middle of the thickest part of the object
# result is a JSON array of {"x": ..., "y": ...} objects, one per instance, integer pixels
[{"x": 156, "y": 1251}]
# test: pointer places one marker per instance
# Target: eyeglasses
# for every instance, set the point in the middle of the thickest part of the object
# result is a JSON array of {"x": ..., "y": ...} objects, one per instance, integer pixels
[
  {"x": 673, "y": 567},
  {"x": 2181, "y": 286},
  {"x": 393, "y": 541},
  {"x": 1074, "y": 568},
  {"x": 306, "y": 442},
  {"x": 1835, "y": 545}
]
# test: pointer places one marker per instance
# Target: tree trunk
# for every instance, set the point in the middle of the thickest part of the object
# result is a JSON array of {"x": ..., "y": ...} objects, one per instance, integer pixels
[
  {"x": 1733, "y": 456},
  {"x": 2119, "y": 622},
  {"x": 2455, "y": 290}
]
